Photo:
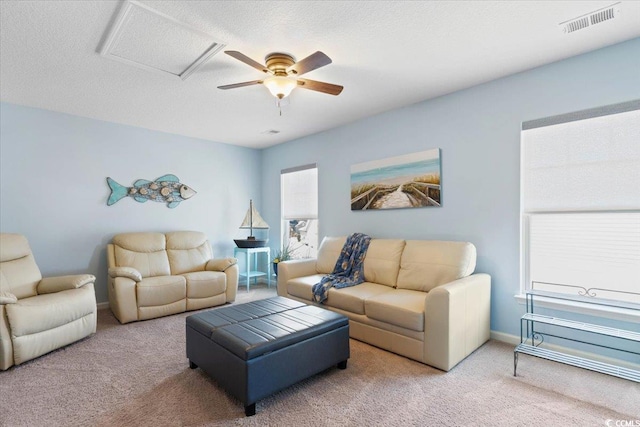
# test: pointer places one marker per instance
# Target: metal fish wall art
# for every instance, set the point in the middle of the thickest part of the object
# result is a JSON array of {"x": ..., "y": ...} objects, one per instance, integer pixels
[{"x": 166, "y": 189}]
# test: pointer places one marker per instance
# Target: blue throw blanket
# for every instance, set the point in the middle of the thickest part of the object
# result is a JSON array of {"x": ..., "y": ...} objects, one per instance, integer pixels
[{"x": 349, "y": 269}]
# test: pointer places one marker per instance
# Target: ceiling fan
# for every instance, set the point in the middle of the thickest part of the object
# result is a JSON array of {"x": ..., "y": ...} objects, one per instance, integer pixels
[{"x": 283, "y": 73}]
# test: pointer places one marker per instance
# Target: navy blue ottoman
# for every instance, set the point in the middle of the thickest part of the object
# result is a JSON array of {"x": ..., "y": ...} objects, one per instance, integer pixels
[{"x": 255, "y": 349}]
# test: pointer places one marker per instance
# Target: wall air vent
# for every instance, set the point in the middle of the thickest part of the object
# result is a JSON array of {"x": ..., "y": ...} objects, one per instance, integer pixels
[{"x": 593, "y": 18}]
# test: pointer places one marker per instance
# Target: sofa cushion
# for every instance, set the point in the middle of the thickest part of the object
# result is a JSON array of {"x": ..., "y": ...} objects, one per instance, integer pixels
[
  {"x": 146, "y": 252},
  {"x": 188, "y": 251},
  {"x": 382, "y": 262},
  {"x": 185, "y": 239},
  {"x": 426, "y": 264},
  {"x": 161, "y": 290},
  {"x": 328, "y": 254},
  {"x": 141, "y": 242},
  {"x": 186, "y": 260},
  {"x": 301, "y": 287},
  {"x": 353, "y": 298},
  {"x": 49, "y": 311},
  {"x": 17, "y": 266},
  {"x": 400, "y": 307},
  {"x": 203, "y": 284},
  {"x": 27, "y": 347},
  {"x": 13, "y": 246}
]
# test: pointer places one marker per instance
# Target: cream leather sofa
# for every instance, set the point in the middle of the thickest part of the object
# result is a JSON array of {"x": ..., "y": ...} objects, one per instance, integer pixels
[
  {"x": 155, "y": 274},
  {"x": 39, "y": 315},
  {"x": 420, "y": 298}
]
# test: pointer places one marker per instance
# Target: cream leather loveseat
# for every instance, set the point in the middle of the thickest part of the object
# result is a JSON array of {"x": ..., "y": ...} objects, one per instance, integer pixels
[
  {"x": 420, "y": 298},
  {"x": 38, "y": 315},
  {"x": 155, "y": 274}
]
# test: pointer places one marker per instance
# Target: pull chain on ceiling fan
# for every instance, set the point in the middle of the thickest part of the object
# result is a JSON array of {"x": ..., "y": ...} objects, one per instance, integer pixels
[{"x": 283, "y": 71}]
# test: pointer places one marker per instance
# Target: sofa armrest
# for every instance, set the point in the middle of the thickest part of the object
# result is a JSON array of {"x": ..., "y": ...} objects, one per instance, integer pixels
[
  {"x": 123, "y": 299},
  {"x": 457, "y": 320},
  {"x": 128, "y": 272},
  {"x": 232, "y": 273},
  {"x": 220, "y": 264},
  {"x": 7, "y": 298},
  {"x": 291, "y": 269},
  {"x": 49, "y": 285}
]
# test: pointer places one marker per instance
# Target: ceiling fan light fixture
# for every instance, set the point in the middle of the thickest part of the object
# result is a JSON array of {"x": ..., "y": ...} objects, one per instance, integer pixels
[
  {"x": 281, "y": 67},
  {"x": 280, "y": 86}
]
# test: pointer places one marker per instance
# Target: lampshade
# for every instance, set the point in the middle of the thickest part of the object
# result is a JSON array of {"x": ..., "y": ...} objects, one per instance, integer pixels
[{"x": 280, "y": 86}]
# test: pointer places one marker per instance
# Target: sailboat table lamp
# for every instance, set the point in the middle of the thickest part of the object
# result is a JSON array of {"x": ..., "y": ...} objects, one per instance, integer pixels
[{"x": 252, "y": 220}]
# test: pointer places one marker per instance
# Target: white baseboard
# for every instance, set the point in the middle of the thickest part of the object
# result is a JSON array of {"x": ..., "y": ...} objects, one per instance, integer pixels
[
  {"x": 515, "y": 340},
  {"x": 102, "y": 305},
  {"x": 507, "y": 338}
]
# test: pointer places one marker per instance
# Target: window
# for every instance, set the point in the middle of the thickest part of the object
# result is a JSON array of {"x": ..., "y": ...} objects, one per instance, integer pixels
[
  {"x": 580, "y": 203},
  {"x": 299, "y": 195}
]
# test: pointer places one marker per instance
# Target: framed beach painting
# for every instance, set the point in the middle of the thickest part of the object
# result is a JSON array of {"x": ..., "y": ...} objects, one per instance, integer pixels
[{"x": 408, "y": 181}]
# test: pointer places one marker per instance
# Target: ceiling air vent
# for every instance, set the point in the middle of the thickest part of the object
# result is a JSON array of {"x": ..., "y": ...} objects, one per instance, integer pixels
[
  {"x": 593, "y": 18},
  {"x": 576, "y": 25},
  {"x": 603, "y": 15},
  {"x": 270, "y": 132}
]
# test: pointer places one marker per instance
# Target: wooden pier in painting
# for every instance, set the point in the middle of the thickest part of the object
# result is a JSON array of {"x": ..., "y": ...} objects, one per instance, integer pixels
[{"x": 410, "y": 194}]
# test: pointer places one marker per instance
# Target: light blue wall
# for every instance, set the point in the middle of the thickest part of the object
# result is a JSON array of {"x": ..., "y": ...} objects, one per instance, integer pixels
[
  {"x": 53, "y": 189},
  {"x": 53, "y": 168},
  {"x": 478, "y": 131}
]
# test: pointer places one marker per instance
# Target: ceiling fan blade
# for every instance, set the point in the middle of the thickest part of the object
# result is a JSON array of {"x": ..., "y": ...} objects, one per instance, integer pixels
[
  {"x": 310, "y": 63},
  {"x": 235, "y": 85},
  {"x": 323, "y": 87},
  {"x": 244, "y": 58}
]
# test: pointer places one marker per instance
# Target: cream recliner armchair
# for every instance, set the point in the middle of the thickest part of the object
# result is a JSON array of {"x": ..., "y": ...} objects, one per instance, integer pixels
[
  {"x": 158, "y": 274},
  {"x": 39, "y": 315}
]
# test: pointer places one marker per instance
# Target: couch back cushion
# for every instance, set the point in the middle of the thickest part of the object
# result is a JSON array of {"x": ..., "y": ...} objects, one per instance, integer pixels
[
  {"x": 426, "y": 264},
  {"x": 328, "y": 254},
  {"x": 19, "y": 273},
  {"x": 146, "y": 252},
  {"x": 188, "y": 251},
  {"x": 382, "y": 261}
]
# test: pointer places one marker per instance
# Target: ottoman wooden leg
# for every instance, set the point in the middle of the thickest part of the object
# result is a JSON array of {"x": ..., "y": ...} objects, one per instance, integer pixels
[
  {"x": 342, "y": 365},
  {"x": 192, "y": 365},
  {"x": 250, "y": 410}
]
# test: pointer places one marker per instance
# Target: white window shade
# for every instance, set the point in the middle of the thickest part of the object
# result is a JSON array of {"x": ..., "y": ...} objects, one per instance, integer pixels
[
  {"x": 299, "y": 189},
  {"x": 593, "y": 254},
  {"x": 589, "y": 164},
  {"x": 580, "y": 206}
]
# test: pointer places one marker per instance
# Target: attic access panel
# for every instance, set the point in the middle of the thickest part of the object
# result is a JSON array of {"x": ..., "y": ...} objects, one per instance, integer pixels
[{"x": 146, "y": 38}]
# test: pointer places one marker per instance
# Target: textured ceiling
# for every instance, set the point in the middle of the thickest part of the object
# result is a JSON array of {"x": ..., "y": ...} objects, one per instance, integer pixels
[{"x": 386, "y": 54}]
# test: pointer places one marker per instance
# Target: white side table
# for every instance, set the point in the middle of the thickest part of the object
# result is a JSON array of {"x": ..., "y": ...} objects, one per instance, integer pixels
[{"x": 249, "y": 273}]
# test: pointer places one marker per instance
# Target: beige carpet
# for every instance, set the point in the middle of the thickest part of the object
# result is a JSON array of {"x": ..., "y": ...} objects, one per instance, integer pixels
[{"x": 138, "y": 375}]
